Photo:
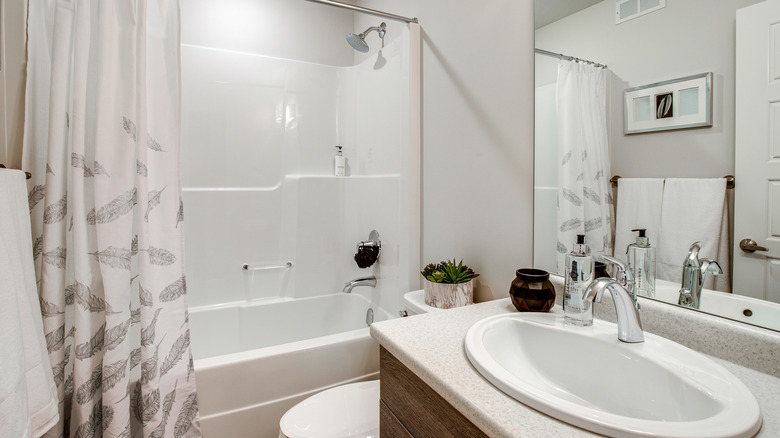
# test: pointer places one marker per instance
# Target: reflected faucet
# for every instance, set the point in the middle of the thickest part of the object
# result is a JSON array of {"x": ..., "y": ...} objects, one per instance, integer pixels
[
  {"x": 694, "y": 273},
  {"x": 629, "y": 325},
  {"x": 362, "y": 281},
  {"x": 623, "y": 276}
]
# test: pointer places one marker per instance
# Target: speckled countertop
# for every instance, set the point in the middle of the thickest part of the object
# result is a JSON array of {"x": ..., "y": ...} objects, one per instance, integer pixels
[{"x": 431, "y": 345}]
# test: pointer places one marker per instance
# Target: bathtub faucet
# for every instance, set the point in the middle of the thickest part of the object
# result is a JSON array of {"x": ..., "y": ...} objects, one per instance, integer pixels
[{"x": 362, "y": 281}]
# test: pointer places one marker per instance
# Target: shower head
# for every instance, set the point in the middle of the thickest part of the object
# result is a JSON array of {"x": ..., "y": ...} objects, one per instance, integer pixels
[{"x": 358, "y": 42}]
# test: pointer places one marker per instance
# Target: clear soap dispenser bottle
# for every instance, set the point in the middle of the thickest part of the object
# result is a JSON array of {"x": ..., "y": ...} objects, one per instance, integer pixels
[
  {"x": 640, "y": 257},
  {"x": 339, "y": 163},
  {"x": 579, "y": 274}
]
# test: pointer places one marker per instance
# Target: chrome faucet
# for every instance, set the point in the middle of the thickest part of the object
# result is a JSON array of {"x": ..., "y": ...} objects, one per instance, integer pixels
[
  {"x": 629, "y": 325},
  {"x": 623, "y": 276},
  {"x": 694, "y": 273},
  {"x": 363, "y": 281}
]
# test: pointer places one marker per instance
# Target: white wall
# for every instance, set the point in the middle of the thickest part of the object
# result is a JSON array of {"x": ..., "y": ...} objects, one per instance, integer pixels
[
  {"x": 12, "y": 80},
  {"x": 477, "y": 145},
  {"x": 685, "y": 38}
]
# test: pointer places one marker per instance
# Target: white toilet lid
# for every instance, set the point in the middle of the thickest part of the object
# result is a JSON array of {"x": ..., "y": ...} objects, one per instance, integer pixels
[{"x": 346, "y": 411}]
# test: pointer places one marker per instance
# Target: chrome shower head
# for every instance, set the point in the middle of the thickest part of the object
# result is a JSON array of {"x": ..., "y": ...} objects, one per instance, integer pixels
[{"x": 358, "y": 42}]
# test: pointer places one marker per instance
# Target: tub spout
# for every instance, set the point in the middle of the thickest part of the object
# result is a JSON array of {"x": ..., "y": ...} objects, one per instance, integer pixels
[{"x": 363, "y": 281}]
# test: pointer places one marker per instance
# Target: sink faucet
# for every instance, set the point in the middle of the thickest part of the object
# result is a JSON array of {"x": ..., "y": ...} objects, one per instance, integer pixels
[
  {"x": 629, "y": 324},
  {"x": 694, "y": 272},
  {"x": 623, "y": 276},
  {"x": 362, "y": 281}
]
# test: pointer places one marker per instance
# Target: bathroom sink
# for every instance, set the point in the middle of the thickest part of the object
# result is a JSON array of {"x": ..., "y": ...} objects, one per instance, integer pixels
[{"x": 586, "y": 377}]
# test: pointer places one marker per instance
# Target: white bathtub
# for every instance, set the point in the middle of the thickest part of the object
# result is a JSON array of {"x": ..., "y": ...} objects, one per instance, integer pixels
[{"x": 254, "y": 361}]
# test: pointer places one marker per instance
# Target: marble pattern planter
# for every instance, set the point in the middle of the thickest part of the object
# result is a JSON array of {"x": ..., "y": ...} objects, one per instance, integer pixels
[{"x": 447, "y": 296}]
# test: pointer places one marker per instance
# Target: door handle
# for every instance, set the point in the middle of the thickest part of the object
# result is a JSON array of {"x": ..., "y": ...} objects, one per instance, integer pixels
[{"x": 750, "y": 245}]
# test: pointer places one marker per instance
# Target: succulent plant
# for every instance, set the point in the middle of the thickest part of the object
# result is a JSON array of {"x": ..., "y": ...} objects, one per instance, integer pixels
[{"x": 448, "y": 271}]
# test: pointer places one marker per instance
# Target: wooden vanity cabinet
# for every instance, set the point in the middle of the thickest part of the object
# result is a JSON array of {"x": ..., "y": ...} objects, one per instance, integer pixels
[{"x": 410, "y": 408}]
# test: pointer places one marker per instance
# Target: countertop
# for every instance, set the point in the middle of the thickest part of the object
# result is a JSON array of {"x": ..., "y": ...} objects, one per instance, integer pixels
[{"x": 431, "y": 345}]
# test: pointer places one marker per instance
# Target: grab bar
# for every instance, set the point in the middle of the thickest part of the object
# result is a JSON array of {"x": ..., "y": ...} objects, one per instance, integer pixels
[
  {"x": 248, "y": 267},
  {"x": 729, "y": 181}
]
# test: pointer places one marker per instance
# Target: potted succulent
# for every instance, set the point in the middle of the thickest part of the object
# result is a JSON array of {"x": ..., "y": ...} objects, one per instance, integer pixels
[{"x": 448, "y": 284}]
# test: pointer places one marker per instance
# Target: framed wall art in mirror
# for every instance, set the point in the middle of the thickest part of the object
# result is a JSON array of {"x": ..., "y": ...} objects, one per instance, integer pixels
[{"x": 675, "y": 104}]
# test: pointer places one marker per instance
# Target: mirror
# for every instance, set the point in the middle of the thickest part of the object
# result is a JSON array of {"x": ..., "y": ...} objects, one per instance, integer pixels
[{"x": 674, "y": 40}]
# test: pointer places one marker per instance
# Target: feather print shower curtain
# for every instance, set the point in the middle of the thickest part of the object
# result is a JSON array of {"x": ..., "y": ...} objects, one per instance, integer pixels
[
  {"x": 102, "y": 141},
  {"x": 585, "y": 204}
]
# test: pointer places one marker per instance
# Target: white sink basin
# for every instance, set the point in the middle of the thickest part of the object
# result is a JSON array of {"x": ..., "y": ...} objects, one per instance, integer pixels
[
  {"x": 586, "y": 377},
  {"x": 732, "y": 306}
]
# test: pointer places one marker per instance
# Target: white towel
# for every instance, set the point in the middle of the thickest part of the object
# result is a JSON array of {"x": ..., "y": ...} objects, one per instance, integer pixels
[
  {"x": 694, "y": 210},
  {"x": 638, "y": 206},
  {"x": 28, "y": 396}
]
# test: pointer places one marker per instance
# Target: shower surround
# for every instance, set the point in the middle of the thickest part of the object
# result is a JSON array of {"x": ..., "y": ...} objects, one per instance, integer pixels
[{"x": 258, "y": 147}]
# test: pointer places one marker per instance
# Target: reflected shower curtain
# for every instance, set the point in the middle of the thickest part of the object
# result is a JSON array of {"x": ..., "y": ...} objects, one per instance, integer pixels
[
  {"x": 102, "y": 142},
  {"x": 585, "y": 204}
]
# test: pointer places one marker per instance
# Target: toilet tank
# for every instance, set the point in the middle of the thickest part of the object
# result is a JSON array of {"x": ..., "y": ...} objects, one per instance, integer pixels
[{"x": 414, "y": 303}]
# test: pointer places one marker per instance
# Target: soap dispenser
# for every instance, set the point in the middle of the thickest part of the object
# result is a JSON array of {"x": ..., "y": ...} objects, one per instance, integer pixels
[
  {"x": 640, "y": 257},
  {"x": 339, "y": 163},
  {"x": 579, "y": 274}
]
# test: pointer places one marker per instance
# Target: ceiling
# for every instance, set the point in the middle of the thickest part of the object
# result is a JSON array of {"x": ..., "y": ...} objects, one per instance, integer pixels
[{"x": 548, "y": 11}]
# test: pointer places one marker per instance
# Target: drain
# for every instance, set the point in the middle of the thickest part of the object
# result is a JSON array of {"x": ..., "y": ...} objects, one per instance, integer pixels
[
  {"x": 369, "y": 316},
  {"x": 747, "y": 312}
]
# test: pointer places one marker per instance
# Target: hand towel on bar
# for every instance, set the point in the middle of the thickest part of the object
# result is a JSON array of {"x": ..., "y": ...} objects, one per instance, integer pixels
[
  {"x": 638, "y": 206},
  {"x": 694, "y": 210},
  {"x": 28, "y": 396}
]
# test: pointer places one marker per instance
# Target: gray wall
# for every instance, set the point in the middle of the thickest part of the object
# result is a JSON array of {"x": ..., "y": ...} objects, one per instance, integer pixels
[
  {"x": 687, "y": 37},
  {"x": 294, "y": 29},
  {"x": 477, "y": 108}
]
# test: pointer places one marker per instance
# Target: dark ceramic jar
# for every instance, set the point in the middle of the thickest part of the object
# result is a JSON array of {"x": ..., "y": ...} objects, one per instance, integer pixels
[{"x": 532, "y": 291}]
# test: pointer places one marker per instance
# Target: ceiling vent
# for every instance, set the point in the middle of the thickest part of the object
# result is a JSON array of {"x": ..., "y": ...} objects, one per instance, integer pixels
[{"x": 629, "y": 9}]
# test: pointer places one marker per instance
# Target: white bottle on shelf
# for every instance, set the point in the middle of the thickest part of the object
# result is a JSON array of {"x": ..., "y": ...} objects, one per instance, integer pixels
[{"x": 339, "y": 163}]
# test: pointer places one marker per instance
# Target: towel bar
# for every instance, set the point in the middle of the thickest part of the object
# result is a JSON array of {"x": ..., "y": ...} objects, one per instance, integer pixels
[
  {"x": 27, "y": 174},
  {"x": 729, "y": 180}
]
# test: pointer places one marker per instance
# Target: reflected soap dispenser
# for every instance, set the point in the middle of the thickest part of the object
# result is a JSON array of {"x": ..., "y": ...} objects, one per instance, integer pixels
[
  {"x": 339, "y": 163},
  {"x": 640, "y": 258},
  {"x": 579, "y": 275}
]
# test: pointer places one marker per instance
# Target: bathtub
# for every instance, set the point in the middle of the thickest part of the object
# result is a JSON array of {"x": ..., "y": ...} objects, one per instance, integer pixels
[{"x": 254, "y": 361}]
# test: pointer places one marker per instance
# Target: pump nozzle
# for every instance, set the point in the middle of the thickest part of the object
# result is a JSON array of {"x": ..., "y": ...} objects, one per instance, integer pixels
[
  {"x": 580, "y": 248},
  {"x": 642, "y": 239}
]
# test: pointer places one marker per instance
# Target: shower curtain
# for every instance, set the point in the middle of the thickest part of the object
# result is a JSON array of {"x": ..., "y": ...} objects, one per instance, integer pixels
[
  {"x": 585, "y": 204},
  {"x": 102, "y": 141}
]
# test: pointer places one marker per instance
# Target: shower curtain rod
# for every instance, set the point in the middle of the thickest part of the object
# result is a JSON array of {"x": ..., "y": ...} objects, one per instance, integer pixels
[
  {"x": 567, "y": 57},
  {"x": 366, "y": 10}
]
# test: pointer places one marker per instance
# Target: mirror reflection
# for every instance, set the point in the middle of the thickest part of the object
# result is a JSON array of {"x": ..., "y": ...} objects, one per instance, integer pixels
[{"x": 672, "y": 182}]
